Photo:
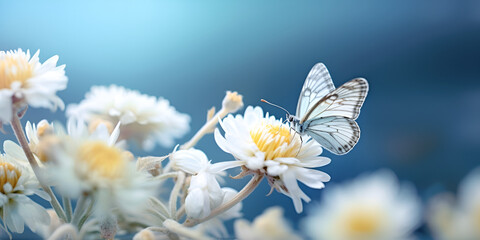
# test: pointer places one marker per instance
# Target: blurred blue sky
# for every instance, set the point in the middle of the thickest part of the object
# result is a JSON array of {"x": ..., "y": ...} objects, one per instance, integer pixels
[{"x": 421, "y": 58}]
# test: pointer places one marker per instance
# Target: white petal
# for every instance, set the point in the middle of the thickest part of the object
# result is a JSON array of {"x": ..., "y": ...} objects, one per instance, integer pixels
[
  {"x": 221, "y": 141},
  {"x": 256, "y": 162},
  {"x": 197, "y": 204},
  {"x": 235, "y": 211},
  {"x": 14, "y": 151},
  {"x": 114, "y": 137},
  {"x": 312, "y": 178},
  {"x": 128, "y": 117},
  {"x": 6, "y": 106},
  {"x": 50, "y": 63},
  {"x": 12, "y": 219},
  {"x": 315, "y": 162},
  {"x": 36, "y": 217},
  {"x": 190, "y": 161},
  {"x": 294, "y": 191},
  {"x": 222, "y": 166}
]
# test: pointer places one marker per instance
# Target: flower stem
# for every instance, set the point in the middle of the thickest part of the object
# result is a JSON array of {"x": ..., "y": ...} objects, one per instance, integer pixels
[
  {"x": 158, "y": 205},
  {"x": 79, "y": 210},
  {"x": 180, "y": 212},
  {"x": 18, "y": 130},
  {"x": 207, "y": 128},
  {"x": 165, "y": 176},
  {"x": 67, "y": 205},
  {"x": 247, "y": 190},
  {"x": 87, "y": 214},
  {"x": 174, "y": 194}
]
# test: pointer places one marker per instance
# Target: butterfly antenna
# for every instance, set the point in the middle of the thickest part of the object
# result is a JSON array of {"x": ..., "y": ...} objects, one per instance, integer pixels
[{"x": 275, "y": 105}]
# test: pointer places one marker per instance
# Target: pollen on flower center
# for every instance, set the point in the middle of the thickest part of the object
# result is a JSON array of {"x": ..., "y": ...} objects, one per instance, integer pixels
[
  {"x": 14, "y": 68},
  {"x": 275, "y": 140},
  {"x": 8, "y": 174},
  {"x": 362, "y": 222},
  {"x": 106, "y": 161}
]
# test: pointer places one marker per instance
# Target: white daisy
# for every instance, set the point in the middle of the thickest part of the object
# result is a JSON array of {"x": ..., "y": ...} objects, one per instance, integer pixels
[
  {"x": 373, "y": 207},
  {"x": 269, "y": 226},
  {"x": 47, "y": 133},
  {"x": 17, "y": 181},
  {"x": 145, "y": 119},
  {"x": 26, "y": 81},
  {"x": 204, "y": 192},
  {"x": 35, "y": 131},
  {"x": 267, "y": 146},
  {"x": 84, "y": 163},
  {"x": 461, "y": 220}
]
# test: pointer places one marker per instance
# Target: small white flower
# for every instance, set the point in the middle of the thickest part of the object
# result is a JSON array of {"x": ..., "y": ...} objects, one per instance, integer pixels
[
  {"x": 204, "y": 192},
  {"x": 36, "y": 131},
  {"x": 215, "y": 226},
  {"x": 145, "y": 119},
  {"x": 26, "y": 81},
  {"x": 47, "y": 133},
  {"x": 232, "y": 102},
  {"x": 373, "y": 207},
  {"x": 460, "y": 221},
  {"x": 269, "y": 226},
  {"x": 17, "y": 181},
  {"x": 266, "y": 145},
  {"x": 91, "y": 163}
]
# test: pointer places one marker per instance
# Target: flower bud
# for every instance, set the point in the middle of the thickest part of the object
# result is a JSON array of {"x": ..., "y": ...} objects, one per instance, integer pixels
[{"x": 232, "y": 102}]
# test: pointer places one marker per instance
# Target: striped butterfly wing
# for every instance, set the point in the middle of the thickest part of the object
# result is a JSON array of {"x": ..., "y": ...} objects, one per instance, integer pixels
[
  {"x": 344, "y": 101},
  {"x": 335, "y": 133},
  {"x": 317, "y": 85}
]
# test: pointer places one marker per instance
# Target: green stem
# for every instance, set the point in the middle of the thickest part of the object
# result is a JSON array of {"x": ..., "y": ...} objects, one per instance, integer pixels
[
  {"x": 67, "y": 205},
  {"x": 87, "y": 214},
  {"x": 79, "y": 210},
  {"x": 18, "y": 130}
]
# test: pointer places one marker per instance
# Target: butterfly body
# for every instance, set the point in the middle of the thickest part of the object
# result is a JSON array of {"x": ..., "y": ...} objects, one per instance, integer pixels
[
  {"x": 295, "y": 124},
  {"x": 327, "y": 114}
]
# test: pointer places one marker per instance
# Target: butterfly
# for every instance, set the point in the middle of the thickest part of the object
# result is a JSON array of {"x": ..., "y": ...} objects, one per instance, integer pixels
[{"x": 327, "y": 114}]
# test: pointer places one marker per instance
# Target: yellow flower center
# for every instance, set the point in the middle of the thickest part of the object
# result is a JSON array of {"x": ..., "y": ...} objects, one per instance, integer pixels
[
  {"x": 8, "y": 174},
  {"x": 362, "y": 222},
  {"x": 105, "y": 161},
  {"x": 43, "y": 129},
  {"x": 275, "y": 140},
  {"x": 14, "y": 68}
]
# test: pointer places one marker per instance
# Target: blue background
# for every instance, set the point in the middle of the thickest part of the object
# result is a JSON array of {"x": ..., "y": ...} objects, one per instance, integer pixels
[{"x": 421, "y": 58}]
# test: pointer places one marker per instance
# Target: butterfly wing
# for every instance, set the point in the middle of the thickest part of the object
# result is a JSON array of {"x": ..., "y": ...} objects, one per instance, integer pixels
[
  {"x": 317, "y": 85},
  {"x": 337, "y": 134},
  {"x": 344, "y": 101}
]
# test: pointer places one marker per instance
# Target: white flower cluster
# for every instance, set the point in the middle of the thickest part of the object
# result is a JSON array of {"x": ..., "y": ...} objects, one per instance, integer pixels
[
  {"x": 145, "y": 119},
  {"x": 183, "y": 195}
]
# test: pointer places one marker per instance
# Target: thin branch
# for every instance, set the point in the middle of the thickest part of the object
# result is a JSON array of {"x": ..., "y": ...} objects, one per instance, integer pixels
[
  {"x": 174, "y": 194},
  {"x": 207, "y": 128},
  {"x": 17, "y": 128}
]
